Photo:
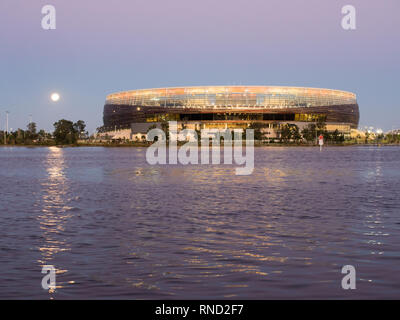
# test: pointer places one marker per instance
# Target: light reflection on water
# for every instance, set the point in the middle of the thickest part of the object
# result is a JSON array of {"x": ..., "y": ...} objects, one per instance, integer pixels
[
  {"x": 115, "y": 227},
  {"x": 54, "y": 212}
]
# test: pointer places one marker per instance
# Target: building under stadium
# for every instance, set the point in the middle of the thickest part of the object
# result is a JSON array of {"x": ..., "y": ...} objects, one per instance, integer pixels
[{"x": 133, "y": 112}]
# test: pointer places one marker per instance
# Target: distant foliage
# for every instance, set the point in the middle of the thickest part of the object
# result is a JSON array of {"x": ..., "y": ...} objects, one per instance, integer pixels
[
  {"x": 67, "y": 132},
  {"x": 290, "y": 132},
  {"x": 257, "y": 127}
]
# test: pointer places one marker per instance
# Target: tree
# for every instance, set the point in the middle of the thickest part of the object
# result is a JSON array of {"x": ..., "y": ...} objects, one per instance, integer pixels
[
  {"x": 31, "y": 133},
  {"x": 296, "y": 136},
  {"x": 165, "y": 128},
  {"x": 101, "y": 129},
  {"x": 198, "y": 133},
  {"x": 393, "y": 137},
  {"x": 366, "y": 136},
  {"x": 79, "y": 127},
  {"x": 309, "y": 132},
  {"x": 20, "y": 136},
  {"x": 317, "y": 129},
  {"x": 380, "y": 137},
  {"x": 335, "y": 135},
  {"x": 290, "y": 132},
  {"x": 42, "y": 135},
  {"x": 257, "y": 127},
  {"x": 285, "y": 133},
  {"x": 65, "y": 132},
  {"x": 321, "y": 126}
]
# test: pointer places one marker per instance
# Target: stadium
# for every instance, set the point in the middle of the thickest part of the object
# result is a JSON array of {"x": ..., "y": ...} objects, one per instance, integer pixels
[{"x": 133, "y": 112}]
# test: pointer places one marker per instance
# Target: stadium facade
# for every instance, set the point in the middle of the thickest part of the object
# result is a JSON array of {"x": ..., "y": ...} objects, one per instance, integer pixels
[{"x": 231, "y": 107}]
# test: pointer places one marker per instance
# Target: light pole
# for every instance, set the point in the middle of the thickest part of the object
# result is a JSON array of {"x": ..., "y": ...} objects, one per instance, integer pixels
[
  {"x": 4, "y": 136},
  {"x": 7, "y": 120},
  {"x": 6, "y": 131}
]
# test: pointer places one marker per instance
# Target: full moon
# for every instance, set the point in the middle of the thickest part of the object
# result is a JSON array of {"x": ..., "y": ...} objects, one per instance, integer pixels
[{"x": 55, "y": 97}]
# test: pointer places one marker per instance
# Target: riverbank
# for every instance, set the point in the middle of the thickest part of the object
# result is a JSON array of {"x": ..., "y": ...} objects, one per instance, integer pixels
[{"x": 144, "y": 145}]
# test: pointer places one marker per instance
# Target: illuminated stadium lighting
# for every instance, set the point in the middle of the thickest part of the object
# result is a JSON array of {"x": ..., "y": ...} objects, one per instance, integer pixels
[{"x": 232, "y": 105}]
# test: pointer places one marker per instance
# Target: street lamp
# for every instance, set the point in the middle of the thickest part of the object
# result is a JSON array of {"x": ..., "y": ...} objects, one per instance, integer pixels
[
  {"x": 4, "y": 135},
  {"x": 6, "y": 131},
  {"x": 6, "y": 128},
  {"x": 7, "y": 112}
]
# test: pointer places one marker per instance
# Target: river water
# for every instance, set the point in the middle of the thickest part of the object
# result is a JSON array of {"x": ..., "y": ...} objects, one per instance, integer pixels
[{"x": 115, "y": 227}]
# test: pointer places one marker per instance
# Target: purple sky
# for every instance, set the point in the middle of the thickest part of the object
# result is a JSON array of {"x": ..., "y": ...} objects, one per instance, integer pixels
[{"x": 104, "y": 46}]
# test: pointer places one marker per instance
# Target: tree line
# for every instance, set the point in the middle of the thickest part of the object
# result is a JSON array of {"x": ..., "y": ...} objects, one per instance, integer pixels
[
  {"x": 290, "y": 132},
  {"x": 65, "y": 132}
]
